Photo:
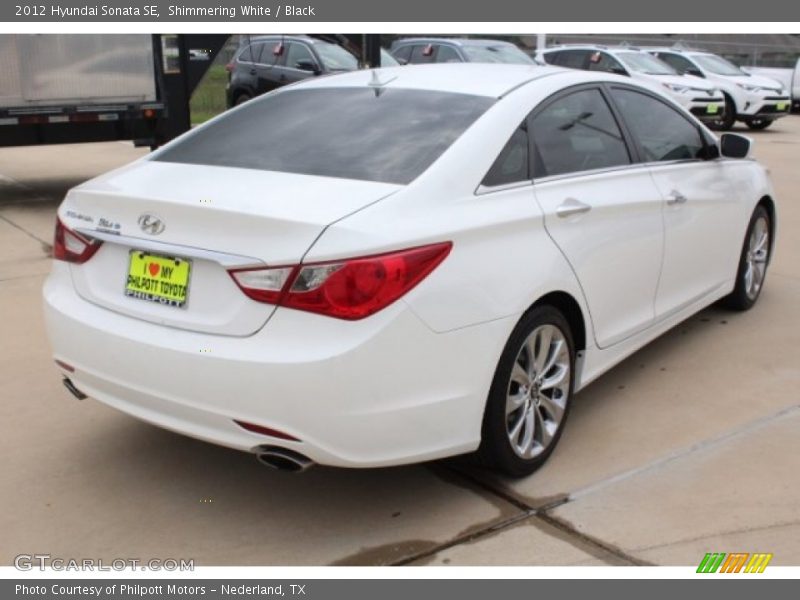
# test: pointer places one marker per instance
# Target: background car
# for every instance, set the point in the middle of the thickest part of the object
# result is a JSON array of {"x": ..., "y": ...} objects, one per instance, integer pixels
[
  {"x": 385, "y": 267},
  {"x": 698, "y": 97},
  {"x": 756, "y": 101},
  {"x": 267, "y": 62},
  {"x": 456, "y": 50}
]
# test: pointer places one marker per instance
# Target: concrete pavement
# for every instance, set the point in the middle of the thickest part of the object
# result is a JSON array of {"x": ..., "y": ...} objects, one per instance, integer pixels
[{"x": 689, "y": 446}]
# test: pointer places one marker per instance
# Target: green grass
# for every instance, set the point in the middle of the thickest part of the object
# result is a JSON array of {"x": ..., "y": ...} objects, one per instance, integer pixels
[{"x": 208, "y": 99}]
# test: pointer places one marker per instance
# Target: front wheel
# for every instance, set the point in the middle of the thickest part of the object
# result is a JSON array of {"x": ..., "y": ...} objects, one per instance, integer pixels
[
  {"x": 758, "y": 123},
  {"x": 725, "y": 123},
  {"x": 529, "y": 399},
  {"x": 753, "y": 262}
]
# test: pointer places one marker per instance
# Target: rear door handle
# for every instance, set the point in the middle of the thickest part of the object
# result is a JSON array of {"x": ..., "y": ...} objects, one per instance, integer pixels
[
  {"x": 675, "y": 197},
  {"x": 253, "y": 71},
  {"x": 570, "y": 207}
]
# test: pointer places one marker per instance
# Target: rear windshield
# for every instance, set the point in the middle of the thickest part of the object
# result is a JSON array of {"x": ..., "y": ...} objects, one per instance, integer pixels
[{"x": 386, "y": 135}]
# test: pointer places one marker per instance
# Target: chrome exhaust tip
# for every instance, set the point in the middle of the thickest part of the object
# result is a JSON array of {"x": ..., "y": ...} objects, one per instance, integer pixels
[
  {"x": 283, "y": 459},
  {"x": 73, "y": 390}
]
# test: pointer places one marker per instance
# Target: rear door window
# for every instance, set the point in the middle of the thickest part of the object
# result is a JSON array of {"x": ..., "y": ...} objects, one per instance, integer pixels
[
  {"x": 576, "y": 133},
  {"x": 422, "y": 53},
  {"x": 572, "y": 59},
  {"x": 447, "y": 54}
]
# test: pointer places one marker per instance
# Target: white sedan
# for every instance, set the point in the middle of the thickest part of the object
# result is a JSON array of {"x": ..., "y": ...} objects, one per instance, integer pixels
[{"x": 386, "y": 267}]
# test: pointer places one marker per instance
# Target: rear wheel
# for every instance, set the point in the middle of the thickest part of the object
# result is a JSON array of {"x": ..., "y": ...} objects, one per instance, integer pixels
[
  {"x": 530, "y": 395},
  {"x": 752, "y": 262},
  {"x": 758, "y": 123}
]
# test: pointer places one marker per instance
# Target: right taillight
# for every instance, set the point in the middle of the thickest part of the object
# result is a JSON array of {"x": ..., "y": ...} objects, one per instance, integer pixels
[
  {"x": 346, "y": 289},
  {"x": 71, "y": 246}
]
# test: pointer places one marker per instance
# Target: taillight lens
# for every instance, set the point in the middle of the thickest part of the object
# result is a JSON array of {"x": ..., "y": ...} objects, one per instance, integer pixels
[
  {"x": 348, "y": 289},
  {"x": 71, "y": 246}
]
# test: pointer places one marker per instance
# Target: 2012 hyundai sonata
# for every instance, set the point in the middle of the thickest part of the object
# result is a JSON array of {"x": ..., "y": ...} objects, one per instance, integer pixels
[{"x": 394, "y": 266}]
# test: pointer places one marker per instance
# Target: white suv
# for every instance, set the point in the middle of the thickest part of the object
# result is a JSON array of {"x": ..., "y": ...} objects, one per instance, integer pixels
[
  {"x": 755, "y": 100},
  {"x": 699, "y": 97}
]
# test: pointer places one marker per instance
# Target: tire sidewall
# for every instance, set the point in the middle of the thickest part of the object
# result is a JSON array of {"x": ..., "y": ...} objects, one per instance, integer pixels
[{"x": 495, "y": 447}]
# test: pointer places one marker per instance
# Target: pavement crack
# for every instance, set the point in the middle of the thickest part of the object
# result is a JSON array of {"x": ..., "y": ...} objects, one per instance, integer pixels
[
  {"x": 701, "y": 445},
  {"x": 592, "y": 542},
  {"x": 45, "y": 244}
]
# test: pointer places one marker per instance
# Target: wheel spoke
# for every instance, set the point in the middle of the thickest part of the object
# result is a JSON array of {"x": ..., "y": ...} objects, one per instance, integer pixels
[
  {"x": 528, "y": 428},
  {"x": 513, "y": 434},
  {"x": 545, "y": 431},
  {"x": 556, "y": 350},
  {"x": 520, "y": 375},
  {"x": 514, "y": 402},
  {"x": 552, "y": 407},
  {"x": 556, "y": 379},
  {"x": 542, "y": 349}
]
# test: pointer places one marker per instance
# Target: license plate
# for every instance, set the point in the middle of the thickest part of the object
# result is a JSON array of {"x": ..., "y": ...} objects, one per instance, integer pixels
[
  {"x": 712, "y": 109},
  {"x": 782, "y": 105},
  {"x": 156, "y": 278}
]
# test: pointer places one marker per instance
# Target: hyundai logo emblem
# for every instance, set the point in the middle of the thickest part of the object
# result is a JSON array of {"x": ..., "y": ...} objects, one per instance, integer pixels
[{"x": 150, "y": 223}]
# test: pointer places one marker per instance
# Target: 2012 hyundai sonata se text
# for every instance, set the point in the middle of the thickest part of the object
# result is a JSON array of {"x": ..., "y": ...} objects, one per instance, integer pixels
[{"x": 399, "y": 265}]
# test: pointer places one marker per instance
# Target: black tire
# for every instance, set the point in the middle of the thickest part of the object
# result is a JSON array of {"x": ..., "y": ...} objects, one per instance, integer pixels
[
  {"x": 740, "y": 298},
  {"x": 242, "y": 98},
  {"x": 496, "y": 450},
  {"x": 728, "y": 118},
  {"x": 758, "y": 124}
]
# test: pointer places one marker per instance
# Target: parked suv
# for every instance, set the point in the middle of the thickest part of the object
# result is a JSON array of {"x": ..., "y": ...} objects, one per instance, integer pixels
[
  {"x": 268, "y": 62},
  {"x": 456, "y": 50},
  {"x": 700, "y": 98},
  {"x": 755, "y": 100}
]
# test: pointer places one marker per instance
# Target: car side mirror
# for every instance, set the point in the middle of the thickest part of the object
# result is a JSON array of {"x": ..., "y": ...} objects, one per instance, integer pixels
[
  {"x": 402, "y": 61},
  {"x": 306, "y": 64},
  {"x": 695, "y": 72},
  {"x": 619, "y": 71},
  {"x": 733, "y": 145}
]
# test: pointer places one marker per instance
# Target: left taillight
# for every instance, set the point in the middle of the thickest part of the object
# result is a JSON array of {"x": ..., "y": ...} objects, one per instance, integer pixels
[
  {"x": 71, "y": 246},
  {"x": 348, "y": 289}
]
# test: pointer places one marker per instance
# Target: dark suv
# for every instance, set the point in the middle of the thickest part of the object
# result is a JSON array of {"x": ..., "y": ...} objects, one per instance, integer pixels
[
  {"x": 448, "y": 50},
  {"x": 267, "y": 62}
]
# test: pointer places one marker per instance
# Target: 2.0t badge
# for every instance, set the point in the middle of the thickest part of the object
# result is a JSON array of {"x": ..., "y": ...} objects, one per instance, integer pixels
[{"x": 151, "y": 223}]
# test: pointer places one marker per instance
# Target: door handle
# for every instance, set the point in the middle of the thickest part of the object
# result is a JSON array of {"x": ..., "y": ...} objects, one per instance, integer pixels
[
  {"x": 675, "y": 197},
  {"x": 570, "y": 207},
  {"x": 253, "y": 71}
]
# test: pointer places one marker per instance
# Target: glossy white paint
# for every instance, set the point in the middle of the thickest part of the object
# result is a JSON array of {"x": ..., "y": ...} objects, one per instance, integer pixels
[
  {"x": 750, "y": 93},
  {"x": 410, "y": 382}
]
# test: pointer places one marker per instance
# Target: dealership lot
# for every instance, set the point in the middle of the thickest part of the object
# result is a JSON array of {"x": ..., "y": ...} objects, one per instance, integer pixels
[{"x": 687, "y": 447}]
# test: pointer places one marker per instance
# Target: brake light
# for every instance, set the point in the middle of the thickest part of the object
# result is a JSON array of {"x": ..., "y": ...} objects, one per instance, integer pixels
[
  {"x": 71, "y": 246},
  {"x": 348, "y": 289}
]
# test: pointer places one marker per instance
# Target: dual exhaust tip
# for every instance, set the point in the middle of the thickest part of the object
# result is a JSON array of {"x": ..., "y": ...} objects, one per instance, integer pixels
[{"x": 283, "y": 459}]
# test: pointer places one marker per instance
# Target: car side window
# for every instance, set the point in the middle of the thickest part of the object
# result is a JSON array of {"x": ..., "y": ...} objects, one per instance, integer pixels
[
  {"x": 602, "y": 61},
  {"x": 296, "y": 53},
  {"x": 512, "y": 164},
  {"x": 422, "y": 53},
  {"x": 246, "y": 55},
  {"x": 551, "y": 58},
  {"x": 403, "y": 53},
  {"x": 577, "y": 132},
  {"x": 447, "y": 54},
  {"x": 662, "y": 132},
  {"x": 677, "y": 62},
  {"x": 572, "y": 59}
]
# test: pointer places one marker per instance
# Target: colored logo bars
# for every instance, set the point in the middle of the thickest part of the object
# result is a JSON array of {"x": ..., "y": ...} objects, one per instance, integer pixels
[{"x": 736, "y": 562}]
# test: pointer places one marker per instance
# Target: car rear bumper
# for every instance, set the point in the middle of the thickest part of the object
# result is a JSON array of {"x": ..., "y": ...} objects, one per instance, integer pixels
[{"x": 382, "y": 391}]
